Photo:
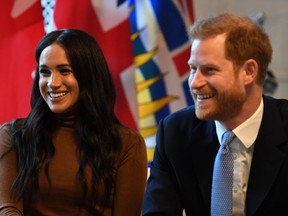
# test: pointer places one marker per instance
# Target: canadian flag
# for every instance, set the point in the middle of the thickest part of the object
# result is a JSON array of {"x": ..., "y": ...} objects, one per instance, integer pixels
[
  {"x": 144, "y": 41},
  {"x": 21, "y": 28}
]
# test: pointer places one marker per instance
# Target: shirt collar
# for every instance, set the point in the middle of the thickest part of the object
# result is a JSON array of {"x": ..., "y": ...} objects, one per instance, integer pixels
[{"x": 248, "y": 130}]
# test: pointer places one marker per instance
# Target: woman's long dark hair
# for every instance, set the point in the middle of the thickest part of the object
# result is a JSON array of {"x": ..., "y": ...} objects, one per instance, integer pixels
[{"x": 95, "y": 125}]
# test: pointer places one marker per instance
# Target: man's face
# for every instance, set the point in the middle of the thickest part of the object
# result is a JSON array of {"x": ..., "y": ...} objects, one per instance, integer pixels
[{"x": 217, "y": 90}]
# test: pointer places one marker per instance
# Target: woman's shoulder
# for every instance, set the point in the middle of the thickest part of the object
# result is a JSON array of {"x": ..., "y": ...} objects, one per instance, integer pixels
[
  {"x": 129, "y": 134},
  {"x": 131, "y": 138},
  {"x": 5, "y": 137},
  {"x": 133, "y": 146},
  {"x": 5, "y": 129}
]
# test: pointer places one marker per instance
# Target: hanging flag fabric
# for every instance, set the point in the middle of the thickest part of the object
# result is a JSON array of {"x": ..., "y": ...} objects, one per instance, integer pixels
[
  {"x": 147, "y": 49},
  {"x": 161, "y": 50},
  {"x": 21, "y": 28}
]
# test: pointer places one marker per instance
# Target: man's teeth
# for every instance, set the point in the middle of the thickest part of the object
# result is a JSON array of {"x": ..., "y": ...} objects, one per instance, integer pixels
[
  {"x": 204, "y": 96},
  {"x": 55, "y": 95}
]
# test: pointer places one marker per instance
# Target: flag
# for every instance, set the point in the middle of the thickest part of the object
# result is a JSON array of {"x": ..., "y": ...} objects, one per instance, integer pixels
[
  {"x": 147, "y": 49},
  {"x": 161, "y": 50},
  {"x": 21, "y": 28}
]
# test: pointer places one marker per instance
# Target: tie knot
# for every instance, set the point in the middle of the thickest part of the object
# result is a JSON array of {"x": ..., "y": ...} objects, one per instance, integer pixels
[{"x": 227, "y": 137}]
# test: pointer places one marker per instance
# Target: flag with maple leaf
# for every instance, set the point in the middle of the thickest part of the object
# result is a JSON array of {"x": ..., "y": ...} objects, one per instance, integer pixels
[{"x": 21, "y": 28}]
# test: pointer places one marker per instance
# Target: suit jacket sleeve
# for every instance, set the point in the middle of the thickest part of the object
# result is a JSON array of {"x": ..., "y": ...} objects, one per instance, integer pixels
[{"x": 162, "y": 193}]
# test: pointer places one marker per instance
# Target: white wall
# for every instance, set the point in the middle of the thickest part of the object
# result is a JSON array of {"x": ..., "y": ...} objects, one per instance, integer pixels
[{"x": 276, "y": 25}]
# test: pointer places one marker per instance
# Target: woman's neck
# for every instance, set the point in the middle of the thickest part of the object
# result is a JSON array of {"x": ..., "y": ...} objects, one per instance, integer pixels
[{"x": 66, "y": 119}]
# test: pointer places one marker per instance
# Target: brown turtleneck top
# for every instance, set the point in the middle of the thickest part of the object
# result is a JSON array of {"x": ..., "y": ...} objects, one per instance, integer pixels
[{"x": 64, "y": 196}]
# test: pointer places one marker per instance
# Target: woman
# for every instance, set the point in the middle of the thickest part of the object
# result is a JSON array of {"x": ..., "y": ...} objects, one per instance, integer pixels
[{"x": 71, "y": 155}]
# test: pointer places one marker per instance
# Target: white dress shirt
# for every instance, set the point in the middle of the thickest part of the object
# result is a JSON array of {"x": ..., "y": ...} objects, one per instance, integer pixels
[{"x": 242, "y": 148}]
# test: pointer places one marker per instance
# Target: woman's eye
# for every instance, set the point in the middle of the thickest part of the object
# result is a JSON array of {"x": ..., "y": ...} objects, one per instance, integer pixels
[
  {"x": 65, "y": 71},
  {"x": 44, "y": 71}
]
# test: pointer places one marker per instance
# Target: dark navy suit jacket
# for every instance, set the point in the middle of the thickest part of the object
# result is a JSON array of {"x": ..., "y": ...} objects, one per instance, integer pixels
[{"x": 182, "y": 167}]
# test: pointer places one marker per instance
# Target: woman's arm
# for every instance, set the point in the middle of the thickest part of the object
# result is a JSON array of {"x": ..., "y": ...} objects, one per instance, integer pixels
[
  {"x": 8, "y": 167},
  {"x": 131, "y": 175}
]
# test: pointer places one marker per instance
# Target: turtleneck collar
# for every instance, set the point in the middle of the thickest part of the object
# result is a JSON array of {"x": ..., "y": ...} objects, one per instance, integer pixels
[{"x": 66, "y": 119}]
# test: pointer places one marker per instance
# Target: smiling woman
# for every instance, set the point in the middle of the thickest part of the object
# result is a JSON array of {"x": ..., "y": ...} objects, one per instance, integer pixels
[
  {"x": 57, "y": 83},
  {"x": 71, "y": 155}
]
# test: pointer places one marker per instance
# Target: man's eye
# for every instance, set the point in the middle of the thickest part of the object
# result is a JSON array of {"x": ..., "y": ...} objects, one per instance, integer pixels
[
  {"x": 193, "y": 69},
  {"x": 209, "y": 70}
]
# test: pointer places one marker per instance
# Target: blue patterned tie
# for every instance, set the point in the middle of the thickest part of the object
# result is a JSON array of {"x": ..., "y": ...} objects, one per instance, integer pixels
[{"x": 222, "y": 185}]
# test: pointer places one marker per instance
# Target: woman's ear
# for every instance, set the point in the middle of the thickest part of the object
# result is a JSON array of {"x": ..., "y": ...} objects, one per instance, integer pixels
[{"x": 251, "y": 70}]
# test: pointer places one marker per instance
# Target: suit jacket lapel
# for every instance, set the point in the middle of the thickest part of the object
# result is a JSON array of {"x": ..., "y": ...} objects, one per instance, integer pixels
[
  {"x": 267, "y": 158},
  {"x": 206, "y": 148}
]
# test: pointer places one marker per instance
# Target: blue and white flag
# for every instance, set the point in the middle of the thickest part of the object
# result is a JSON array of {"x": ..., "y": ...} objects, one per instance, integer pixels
[{"x": 161, "y": 50}]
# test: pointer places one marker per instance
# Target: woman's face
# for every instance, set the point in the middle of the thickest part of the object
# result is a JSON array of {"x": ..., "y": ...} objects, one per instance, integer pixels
[{"x": 57, "y": 83}]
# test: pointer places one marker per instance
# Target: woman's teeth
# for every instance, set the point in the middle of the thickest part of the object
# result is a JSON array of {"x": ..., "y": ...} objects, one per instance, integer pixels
[{"x": 56, "y": 95}]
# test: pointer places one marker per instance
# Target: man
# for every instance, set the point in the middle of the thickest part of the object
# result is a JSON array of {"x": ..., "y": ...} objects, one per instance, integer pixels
[{"x": 229, "y": 58}]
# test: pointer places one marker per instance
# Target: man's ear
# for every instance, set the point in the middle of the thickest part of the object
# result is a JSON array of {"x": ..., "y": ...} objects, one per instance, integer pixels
[{"x": 251, "y": 70}]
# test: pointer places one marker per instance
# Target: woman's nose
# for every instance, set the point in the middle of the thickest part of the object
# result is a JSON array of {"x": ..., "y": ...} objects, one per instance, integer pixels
[{"x": 54, "y": 80}]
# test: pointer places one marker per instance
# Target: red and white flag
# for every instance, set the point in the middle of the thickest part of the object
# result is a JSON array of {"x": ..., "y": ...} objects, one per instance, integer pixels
[
  {"x": 144, "y": 41},
  {"x": 21, "y": 28}
]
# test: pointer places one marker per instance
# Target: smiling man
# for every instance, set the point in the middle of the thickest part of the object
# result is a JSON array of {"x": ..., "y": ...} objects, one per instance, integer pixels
[{"x": 229, "y": 58}]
